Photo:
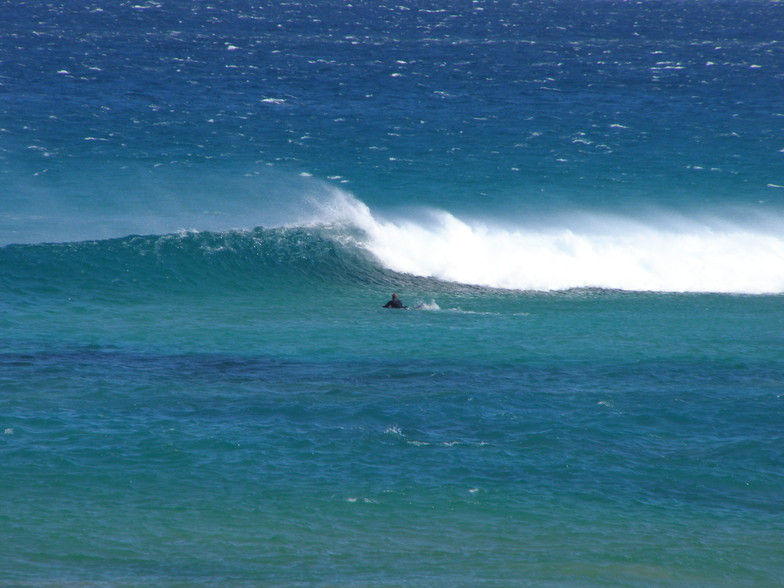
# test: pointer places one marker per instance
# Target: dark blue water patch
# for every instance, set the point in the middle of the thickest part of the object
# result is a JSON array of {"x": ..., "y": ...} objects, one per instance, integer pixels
[
  {"x": 463, "y": 106},
  {"x": 664, "y": 434},
  {"x": 152, "y": 461}
]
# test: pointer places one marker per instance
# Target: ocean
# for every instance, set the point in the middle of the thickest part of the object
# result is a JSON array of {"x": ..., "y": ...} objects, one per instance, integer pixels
[{"x": 204, "y": 206}]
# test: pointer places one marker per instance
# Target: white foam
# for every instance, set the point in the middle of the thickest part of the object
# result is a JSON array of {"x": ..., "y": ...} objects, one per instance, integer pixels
[
  {"x": 663, "y": 252},
  {"x": 432, "y": 305}
]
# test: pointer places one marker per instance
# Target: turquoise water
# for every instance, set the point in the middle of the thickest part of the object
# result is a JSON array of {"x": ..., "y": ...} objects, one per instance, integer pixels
[{"x": 203, "y": 208}]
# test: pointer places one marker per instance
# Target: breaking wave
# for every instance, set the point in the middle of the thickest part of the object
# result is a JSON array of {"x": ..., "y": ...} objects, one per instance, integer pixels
[
  {"x": 334, "y": 237},
  {"x": 665, "y": 252}
]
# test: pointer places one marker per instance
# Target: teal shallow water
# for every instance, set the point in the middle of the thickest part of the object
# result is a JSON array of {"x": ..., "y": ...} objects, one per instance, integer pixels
[{"x": 591, "y": 438}]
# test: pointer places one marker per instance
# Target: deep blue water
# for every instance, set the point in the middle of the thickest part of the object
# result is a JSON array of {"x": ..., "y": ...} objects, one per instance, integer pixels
[{"x": 203, "y": 207}]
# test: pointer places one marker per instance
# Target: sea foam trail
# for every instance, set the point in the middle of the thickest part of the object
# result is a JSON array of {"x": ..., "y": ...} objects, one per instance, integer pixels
[{"x": 667, "y": 254}]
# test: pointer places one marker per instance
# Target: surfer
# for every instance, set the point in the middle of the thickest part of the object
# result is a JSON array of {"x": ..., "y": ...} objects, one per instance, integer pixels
[{"x": 394, "y": 303}]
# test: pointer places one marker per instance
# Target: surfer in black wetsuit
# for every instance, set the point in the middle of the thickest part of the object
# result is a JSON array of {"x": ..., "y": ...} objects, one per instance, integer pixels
[{"x": 394, "y": 303}]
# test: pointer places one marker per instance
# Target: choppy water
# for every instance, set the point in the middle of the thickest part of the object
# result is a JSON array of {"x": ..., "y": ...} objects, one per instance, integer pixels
[{"x": 204, "y": 206}]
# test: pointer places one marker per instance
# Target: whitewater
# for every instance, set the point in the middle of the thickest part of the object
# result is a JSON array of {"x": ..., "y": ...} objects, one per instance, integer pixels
[{"x": 663, "y": 252}]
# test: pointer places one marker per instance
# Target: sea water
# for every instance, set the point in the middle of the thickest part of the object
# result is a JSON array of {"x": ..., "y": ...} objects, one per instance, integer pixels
[{"x": 203, "y": 207}]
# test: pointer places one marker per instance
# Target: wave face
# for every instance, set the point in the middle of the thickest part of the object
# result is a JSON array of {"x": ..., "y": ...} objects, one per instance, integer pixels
[{"x": 261, "y": 260}]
